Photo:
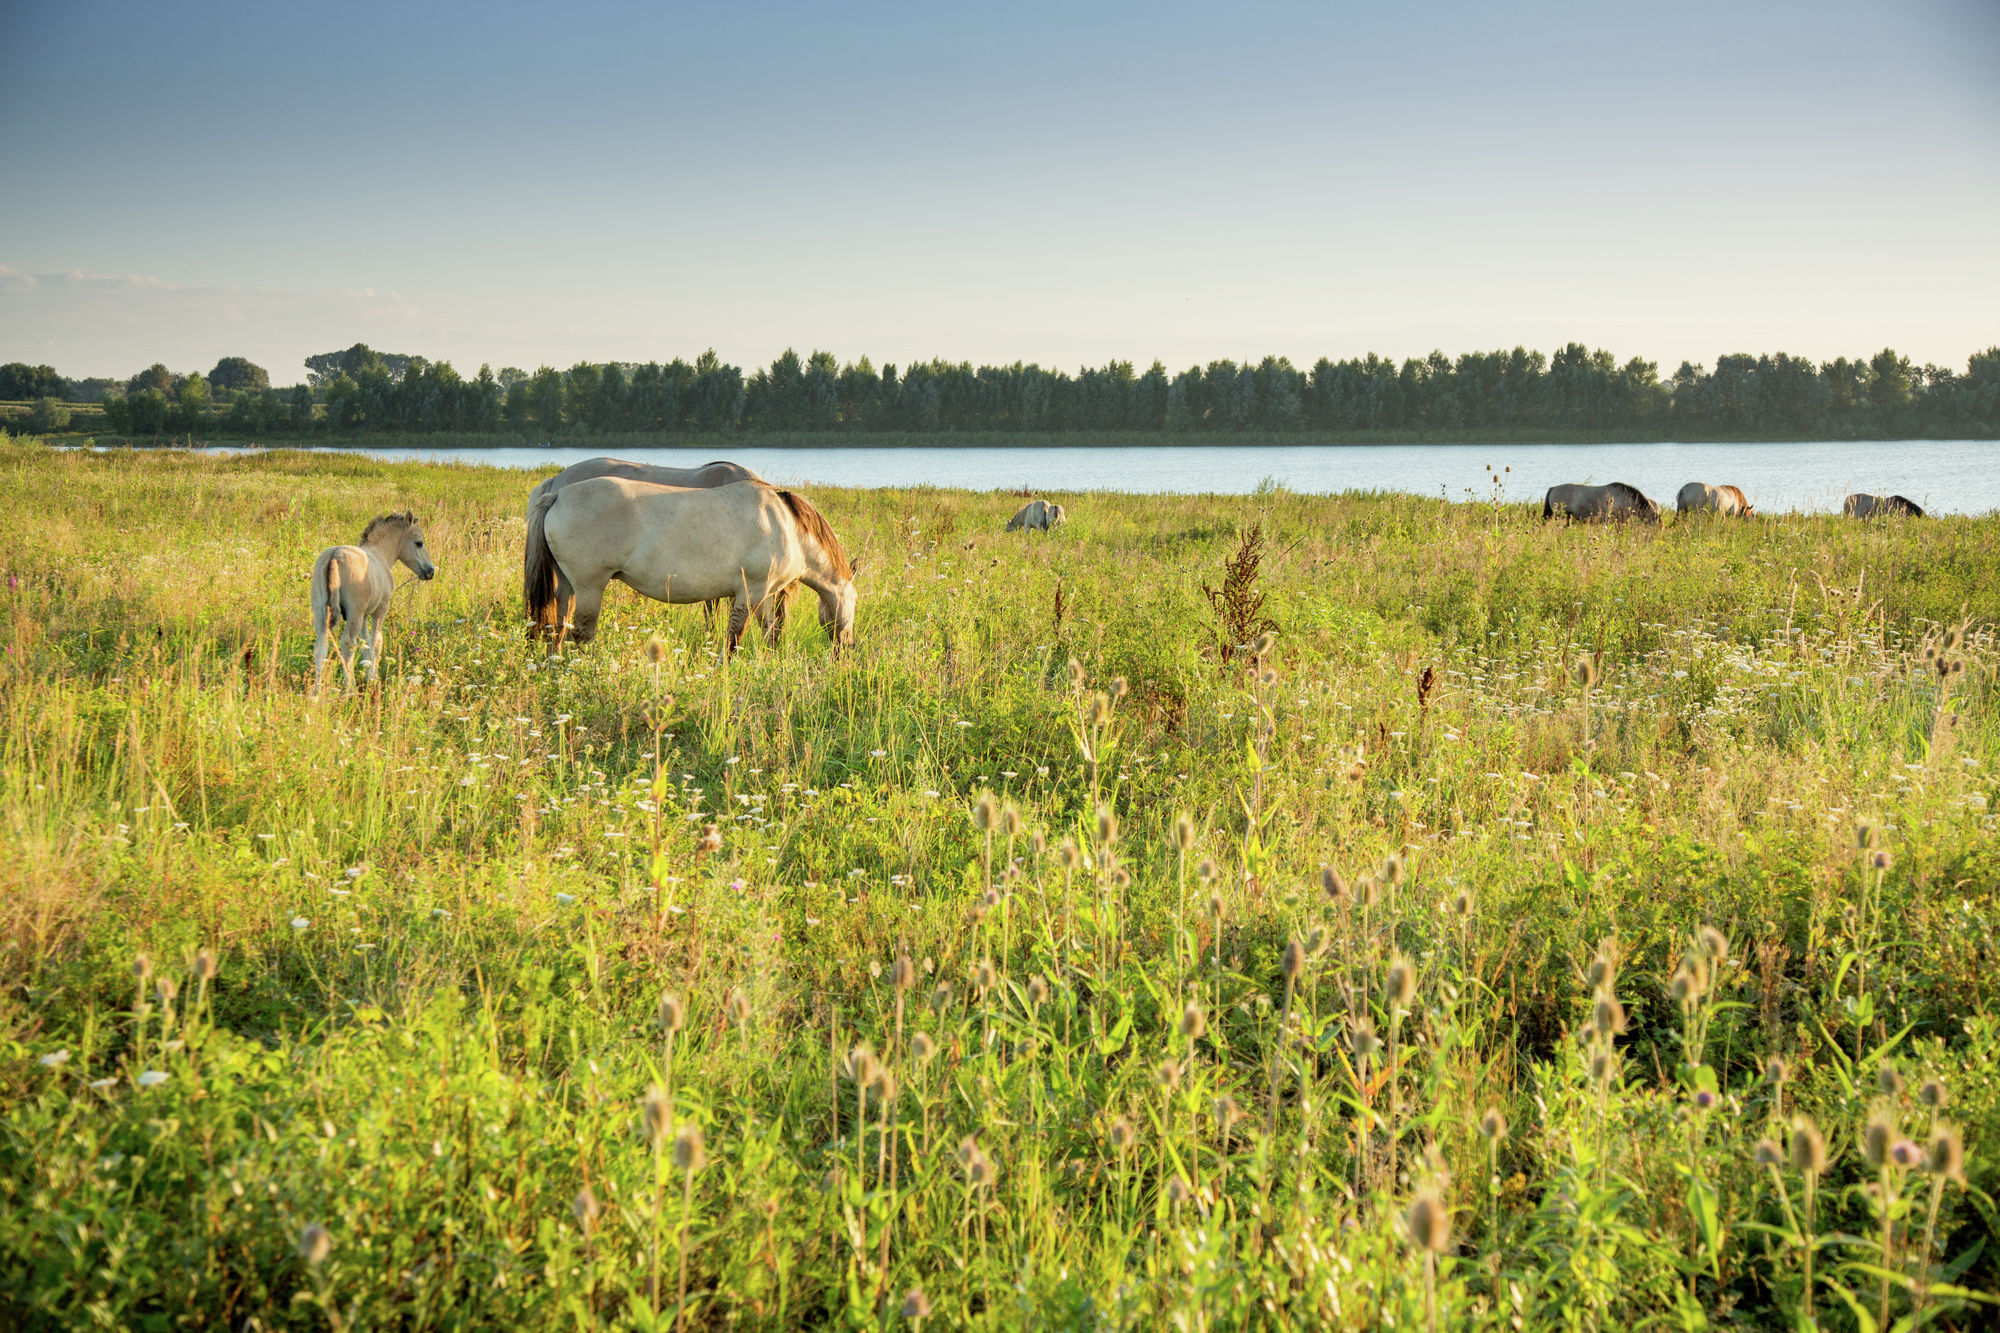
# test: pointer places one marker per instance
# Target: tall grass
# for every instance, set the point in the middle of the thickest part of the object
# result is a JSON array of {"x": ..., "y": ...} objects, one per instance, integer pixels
[{"x": 947, "y": 1046}]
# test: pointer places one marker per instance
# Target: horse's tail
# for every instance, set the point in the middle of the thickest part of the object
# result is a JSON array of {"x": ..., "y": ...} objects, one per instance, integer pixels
[
  {"x": 331, "y": 586},
  {"x": 538, "y": 565}
]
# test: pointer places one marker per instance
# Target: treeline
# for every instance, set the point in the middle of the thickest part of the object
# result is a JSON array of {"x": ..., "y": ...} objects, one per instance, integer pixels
[{"x": 1576, "y": 390}]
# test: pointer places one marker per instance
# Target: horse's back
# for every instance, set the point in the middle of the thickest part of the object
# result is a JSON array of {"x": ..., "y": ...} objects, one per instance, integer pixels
[
  {"x": 676, "y": 544},
  {"x": 1697, "y": 496},
  {"x": 1863, "y": 505}
]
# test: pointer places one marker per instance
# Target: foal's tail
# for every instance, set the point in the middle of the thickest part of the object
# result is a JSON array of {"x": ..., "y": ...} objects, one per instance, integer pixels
[
  {"x": 329, "y": 619},
  {"x": 538, "y": 567}
]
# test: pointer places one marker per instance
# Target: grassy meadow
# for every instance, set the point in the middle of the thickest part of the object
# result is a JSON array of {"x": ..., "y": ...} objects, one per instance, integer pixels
[{"x": 1549, "y": 926}]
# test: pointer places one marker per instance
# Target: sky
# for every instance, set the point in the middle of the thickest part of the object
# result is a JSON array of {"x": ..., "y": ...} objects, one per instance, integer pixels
[{"x": 1066, "y": 184}]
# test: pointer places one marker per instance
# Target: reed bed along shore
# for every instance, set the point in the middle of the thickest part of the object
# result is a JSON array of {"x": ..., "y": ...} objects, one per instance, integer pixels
[{"x": 1453, "y": 921}]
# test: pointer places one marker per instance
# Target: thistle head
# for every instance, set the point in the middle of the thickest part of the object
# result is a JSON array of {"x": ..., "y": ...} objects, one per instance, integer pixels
[
  {"x": 711, "y": 841},
  {"x": 1225, "y": 1111},
  {"x": 315, "y": 1243},
  {"x": 1808, "y": 1147},
  {"x": 861, "y": 1064},
  {"x": 915, "y": 1305},
  {"x": 1194, "y": 1024},
  {"x": 1399, "y": 983},
  {"x": 1905, "y": 1154},
  {"x": 656, "y": 1113},
  {"x": 690, "y": 1150},
  {"x": 1428, "y": 1222},
  {"x": 1178, "y": 1192}
]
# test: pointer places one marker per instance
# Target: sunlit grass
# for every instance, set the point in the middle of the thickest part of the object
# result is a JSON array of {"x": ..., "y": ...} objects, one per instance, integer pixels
[{"x": 1004, "y": 992}]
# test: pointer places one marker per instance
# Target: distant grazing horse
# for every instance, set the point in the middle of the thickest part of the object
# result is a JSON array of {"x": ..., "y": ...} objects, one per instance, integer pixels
[
  {"x": 705, "y": 477},
  {"x": 747, "y": 541},
  {"x": 1037, "y": 516},
  {"x": 1863, "y": 505},
  {"x": 1698, "y": 497},
  {"x": 354, "y": 584},
  {"x": 1614, "y": 503}
]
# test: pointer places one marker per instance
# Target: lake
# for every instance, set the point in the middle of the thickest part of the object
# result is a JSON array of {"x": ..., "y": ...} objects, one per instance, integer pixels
[{"x": 1944, "y": 476}]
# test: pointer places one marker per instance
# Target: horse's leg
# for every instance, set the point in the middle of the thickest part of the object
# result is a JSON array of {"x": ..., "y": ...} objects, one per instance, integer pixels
[
  {"x": 374, "y": 634},
  {"x": 583, "y": 615},
  {"x": 559, "y": 626},
  {"x": 350, "y": 631},
  {"x": 321, "y": 641},
  {"x": 774, "y": 619},
  {"x": 739, "y": 616}
]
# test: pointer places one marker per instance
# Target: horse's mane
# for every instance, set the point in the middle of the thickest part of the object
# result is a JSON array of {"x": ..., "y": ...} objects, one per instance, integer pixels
[
  {"x": 817, "y": 528},
  {"x": 402, "y": 520},
  {"x": 1630, "y": 492}
]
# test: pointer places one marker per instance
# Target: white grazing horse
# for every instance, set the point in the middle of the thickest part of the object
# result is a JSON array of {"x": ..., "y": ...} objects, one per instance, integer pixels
[
  {"x": 1615, "y": 502},
  {"x": 1037, "y": 516},
  {"x": 747, "y": 541},
  {"x": 1698, "y": 497},
  {"x": 354, "y": 584},
  {"x": 705, "y": 477}
]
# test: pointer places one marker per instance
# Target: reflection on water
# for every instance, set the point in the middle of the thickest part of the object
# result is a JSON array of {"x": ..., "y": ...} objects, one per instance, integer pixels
[{"x": 1944, "y": 476}]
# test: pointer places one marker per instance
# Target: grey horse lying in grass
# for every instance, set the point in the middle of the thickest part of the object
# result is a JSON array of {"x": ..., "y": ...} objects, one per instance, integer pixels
[
  {"x": 1613, "y": 503},
  {"x": 353, "y": 584},
  {"x": 1037, "y": 516}
]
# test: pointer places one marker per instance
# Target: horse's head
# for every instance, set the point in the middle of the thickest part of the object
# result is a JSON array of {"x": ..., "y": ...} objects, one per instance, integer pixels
[
  {"x": 836, "y": 612},
  {"x": 413, "y": 552}
]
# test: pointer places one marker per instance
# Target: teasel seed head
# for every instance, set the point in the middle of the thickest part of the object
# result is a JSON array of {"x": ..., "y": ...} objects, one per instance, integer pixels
[
  {"x": 711, "y": 841},
  {"x": 1265, "y": 643},
  {"x": 738, "y": 1007},
  {"x": 990, "y": 899},
  {"x": 923, "y": 1047},
  {"x": 1769, "y": 1153},
  {"x": 1604, "y": 1066},
  {"x": 1010, "y": 821},
  {"x": 1038, "y": 990},
  {"x": 1933, "y": 1093},
  {"x": 1946, "y": 1154},
  {"x": 1399, "y": 983},
  {"x": 1167, "y": 1073},
  {"x": 1393, "y": 868},
  {"x": 690, "y": 1149},
  {"x": 1194, "y": 1023},
  {"x": 1586, "y": 672},
  {"x": 1362, "y": 1042},
  {"x": 985, "y": 812},
  {"x": 1864, "y": 835},
  {"x": 1107, "y": 826},
  {"x": 1604, "y": 963},
  {"x": 1225, "y": 1111},
  {"x": 1462, "y": 904},
  {"x": 204, "y": 966},
  {"x": 1121, "y": 878},
  {"x": 584, "y": 1208},
  {"x": 166, "y": 988},
  {"x": 1607, "y": 1016},
  {"x": 1429, "y": 1223},
  {"x": 1808, "y": 1147},
  {"x": 1215, "y": 905},
  {"x": 1876, "y": 1137},
  {"x": 656, "y": 650},
  {"x": 983, "y": 976},
  {"x": 903, "y": 974},
  {"x": 1493, "y": 1125},
  {"x": 1371, "y": 892},
  {"x": 916, "y": 1305},
  {"x": 1713, "y": 943},
  {"x": 655, "y": 1115},
  {"x": 669, "y": 1016},
  {"x": 1333, "y": 886},
  {"x": 1119, "y": 688},
  {"x": 1075, "y": 674},
  {"x": 1293, "y": 961},
  {"x": 142, "y": 967},
  {"x": 1905, "y": 1154},
  {"x": 1096, "y": 709},
  {"x": 884, "y": 1084},
  {"x": 1038, "y": 842},
  {"x": 1206, "y": 871},
  {"x": 1776, "y": 1071},
  {"x": 1880, "y": 860},
  {"x": 861, "y": 1064},
  {"x": 1183, "y": 832},
  {"x": 940, "y": 995},
  {"x": 315, "y": 1244},
  {"x": 1122, "y": 1134},
  {"x": 1889, "y": 1080},
  {"x": 1068, "y": 856}
]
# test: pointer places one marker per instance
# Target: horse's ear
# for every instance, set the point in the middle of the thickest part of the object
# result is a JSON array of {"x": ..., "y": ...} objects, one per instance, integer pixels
[{"x": 854, "y": 568}]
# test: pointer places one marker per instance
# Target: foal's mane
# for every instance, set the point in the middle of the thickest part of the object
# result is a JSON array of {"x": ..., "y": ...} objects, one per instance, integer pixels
[
  {"x": 817, "y": 528},
  {"x": 402, "y": 520}
]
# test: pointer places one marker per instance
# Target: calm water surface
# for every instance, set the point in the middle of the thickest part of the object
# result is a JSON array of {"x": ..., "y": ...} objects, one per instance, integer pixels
[{"x": 1944, "y": 476}]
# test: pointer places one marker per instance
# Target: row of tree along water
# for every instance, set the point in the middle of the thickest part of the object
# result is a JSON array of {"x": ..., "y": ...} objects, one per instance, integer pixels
[{"x": 1577, "y": 389}]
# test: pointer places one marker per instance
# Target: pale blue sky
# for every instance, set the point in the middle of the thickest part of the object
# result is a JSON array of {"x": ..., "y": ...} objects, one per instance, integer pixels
[{"x": 1061, "y": 183}]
